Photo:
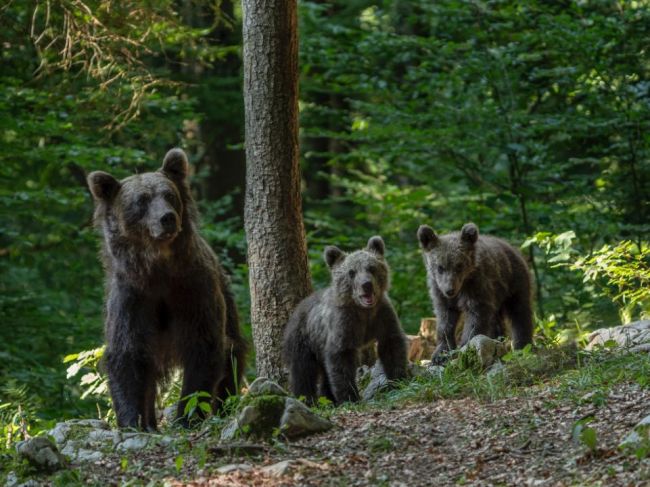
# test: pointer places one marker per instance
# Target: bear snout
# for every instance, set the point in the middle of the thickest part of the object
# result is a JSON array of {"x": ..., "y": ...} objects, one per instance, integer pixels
[{"x": 168, "y": 222}]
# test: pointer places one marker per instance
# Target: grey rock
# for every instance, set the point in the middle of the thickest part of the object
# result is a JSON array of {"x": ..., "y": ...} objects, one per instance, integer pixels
[
  {"x": 71, "y": 447},
  {"x": 30, "y": 483},
  {"x": 298, "y": 420},
  {"x": 134, "y": 441},
  {"x": 104, "y": 436},
  {"x": 233, "y": 467},
  {"x": 247, "y": 417},
  {"x": 497, "y": 369},
  {"x": 487, "y": 349},
  {"x": 41, "y": 453},
  {"x": 378, "y": 381},
  {"x": 277, "y": 469},
  {"x": 62, "y": 432},
  {"x": 84, "y": 455},
  {"x": 263, "y": 386},
  {"x": 632, "y": 336},
  {"x": 11, "y": 480},
  {"x": 639, "y": 434}
]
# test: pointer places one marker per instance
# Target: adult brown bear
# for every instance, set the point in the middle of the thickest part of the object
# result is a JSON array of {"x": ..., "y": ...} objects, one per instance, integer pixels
[{"x": 167, "y": 298}]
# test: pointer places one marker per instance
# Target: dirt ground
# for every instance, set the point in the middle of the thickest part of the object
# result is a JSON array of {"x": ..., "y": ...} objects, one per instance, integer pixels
[{"x": 520, "y": 441}]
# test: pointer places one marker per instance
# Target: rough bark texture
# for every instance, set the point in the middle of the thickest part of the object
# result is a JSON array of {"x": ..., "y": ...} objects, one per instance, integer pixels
[{"x": 277, "y": 254}]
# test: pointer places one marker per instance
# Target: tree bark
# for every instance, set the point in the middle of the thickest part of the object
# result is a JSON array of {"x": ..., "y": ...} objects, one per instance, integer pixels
[{"x": 277, "y": 254}]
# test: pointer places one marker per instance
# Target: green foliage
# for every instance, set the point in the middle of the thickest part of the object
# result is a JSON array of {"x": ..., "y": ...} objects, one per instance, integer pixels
[
  {"x": 196, "y": 403},
  {"x": 584, "y": 434},
  {"x": 623, "y": 273}
]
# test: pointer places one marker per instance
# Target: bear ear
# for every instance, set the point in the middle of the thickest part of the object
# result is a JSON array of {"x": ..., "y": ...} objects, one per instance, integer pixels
[
  {"x": 102, "y": 185},
  {"x": 427, "y": 237},
  {"x": 376, "y": 245},
  {"x": 333, "y": 255},
  {"x": 175, "y": 165},
  {"x": 469, "y": 233}
]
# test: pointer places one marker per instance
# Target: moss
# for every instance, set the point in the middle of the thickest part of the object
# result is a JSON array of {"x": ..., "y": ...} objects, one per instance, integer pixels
[{"x": 270, "y": 408}]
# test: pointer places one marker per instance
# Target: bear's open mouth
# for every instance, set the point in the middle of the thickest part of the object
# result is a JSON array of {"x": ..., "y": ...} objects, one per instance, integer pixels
[
  {"x": 367, "y": 300},
  {"x": 165, "y": 237}
]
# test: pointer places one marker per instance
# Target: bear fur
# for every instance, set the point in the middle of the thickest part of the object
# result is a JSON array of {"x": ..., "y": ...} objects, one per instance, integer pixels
[
  {"x": 327, "y": 329},
  {"x": 168, "y": 303},
  {"x": 482, "y": 277}
]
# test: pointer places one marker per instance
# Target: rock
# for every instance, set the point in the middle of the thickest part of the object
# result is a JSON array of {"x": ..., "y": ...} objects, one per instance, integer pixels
[
  {"x": 298, "y": 420},
  {"x": 41, "y": 453},
  {"x": 263, "y": 386},
  {"x": 634, "y": 336},
  {"x": 76, "y": 428},
  {"x": 233, "y": 467},
  {"x": 242, "y": 424},
  {"x": 487, "y": 349},
  {"x": 497, "y": 369},
  {"x": 133, "y": 441},
  {"x": 433, "y": 370},
  {"x": 11, "y": 480},
  {"x": 378, "y": 381},
  {"x": 277, "y": 469},
  {"x": 84, "y": 455},
  {"x": 639, "y": 435}
]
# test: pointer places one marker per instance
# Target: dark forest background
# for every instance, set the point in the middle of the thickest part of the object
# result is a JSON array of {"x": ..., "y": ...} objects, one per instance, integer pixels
[{"x": 529, "y": 118}]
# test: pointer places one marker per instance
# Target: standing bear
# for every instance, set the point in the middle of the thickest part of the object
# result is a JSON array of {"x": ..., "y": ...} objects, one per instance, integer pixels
[
  {"x": 167, "y": 298},
  {"x": 326, "y": 330},
  {"x": 482, "y": 277}
]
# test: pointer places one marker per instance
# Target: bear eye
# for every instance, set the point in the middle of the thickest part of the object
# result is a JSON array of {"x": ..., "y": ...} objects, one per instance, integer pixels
[
  {"x": 169, "y": 196},
  {"x": 142, "y": 200},
  {"x": 352, "y": 273},
  {"x": 459, "y": 267},
  {"x": 371, "y": 269},
  {"x": 441, "y": 269}
]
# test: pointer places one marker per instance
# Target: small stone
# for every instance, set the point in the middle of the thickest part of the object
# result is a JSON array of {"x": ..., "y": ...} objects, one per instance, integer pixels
[
  {"x": 378, "y": 381},
  {"x": 278, "y": 469},
  {"x": 639, "y": 434},
  {"x": 247, "y": 417},
  {"x": 134, "y": 441},
  {"x": 233, "y": 467},
  {"x": 42, "y": 453},
  {"x": 88, "y": 455},
  {"x": 496, "y": 369},
  {"x": 298, "y": 420},
  {"x": 263, "y": 386},
  {"x": 11, "y": 480},
  {"x": 487, "y": 349}
]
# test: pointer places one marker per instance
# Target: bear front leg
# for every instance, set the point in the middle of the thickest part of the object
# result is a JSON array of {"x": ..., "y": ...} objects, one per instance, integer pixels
[
  {"x": 479, "y": 321},
  {"x": 202, "y": 369},
  {"x": 341, "y": 370},
  {"x": 391, "y": 345},
  {"x": 130, "y": 383},
  {"x": 129, "y": 364},
  {"x": 447, "y": 319}
]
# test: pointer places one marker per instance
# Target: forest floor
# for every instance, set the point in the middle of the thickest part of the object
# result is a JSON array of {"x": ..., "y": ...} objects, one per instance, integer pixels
[{"x": 438, "y": 432}]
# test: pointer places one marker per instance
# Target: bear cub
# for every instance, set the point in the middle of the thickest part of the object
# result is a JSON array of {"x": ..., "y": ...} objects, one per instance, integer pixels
[
  {"x": 167, "y": 298},
  {"x": 482, "y": 277},
  {"x": 326, "y": 330}
]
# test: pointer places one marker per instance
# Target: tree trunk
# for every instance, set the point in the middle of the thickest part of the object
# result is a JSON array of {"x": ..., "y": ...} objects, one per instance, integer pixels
[{"x": 277, "y": 255}]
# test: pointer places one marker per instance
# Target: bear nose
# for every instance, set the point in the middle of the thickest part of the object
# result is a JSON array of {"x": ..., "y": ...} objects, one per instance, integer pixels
[
  {"x": 168, "y": 221},
  {"x": 367, "y": 287}
]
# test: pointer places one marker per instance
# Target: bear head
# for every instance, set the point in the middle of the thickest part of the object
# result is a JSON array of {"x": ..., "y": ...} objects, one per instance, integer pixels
[
  {"x": 145, "y": 207},
  {"x": 359, "y": 278},
  {"x": 449, "y": 259}
]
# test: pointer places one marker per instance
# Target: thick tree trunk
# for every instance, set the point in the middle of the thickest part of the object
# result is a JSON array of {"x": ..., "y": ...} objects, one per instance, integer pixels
[{"x": 277, "y": 254}]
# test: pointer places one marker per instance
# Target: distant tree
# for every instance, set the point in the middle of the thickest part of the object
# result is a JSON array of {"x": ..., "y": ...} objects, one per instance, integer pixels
[{"x": 277, "y": 254}]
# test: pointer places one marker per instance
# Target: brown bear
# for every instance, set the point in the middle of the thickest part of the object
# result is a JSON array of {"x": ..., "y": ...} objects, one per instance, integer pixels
[
  {"x": 482, "y": 277},
  {"x": 327, "y": 330},
  {"x": 168, "y": 303}
]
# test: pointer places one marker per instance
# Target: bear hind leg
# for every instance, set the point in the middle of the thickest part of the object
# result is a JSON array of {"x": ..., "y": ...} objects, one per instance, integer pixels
[{"x": 521, "y": 317}]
